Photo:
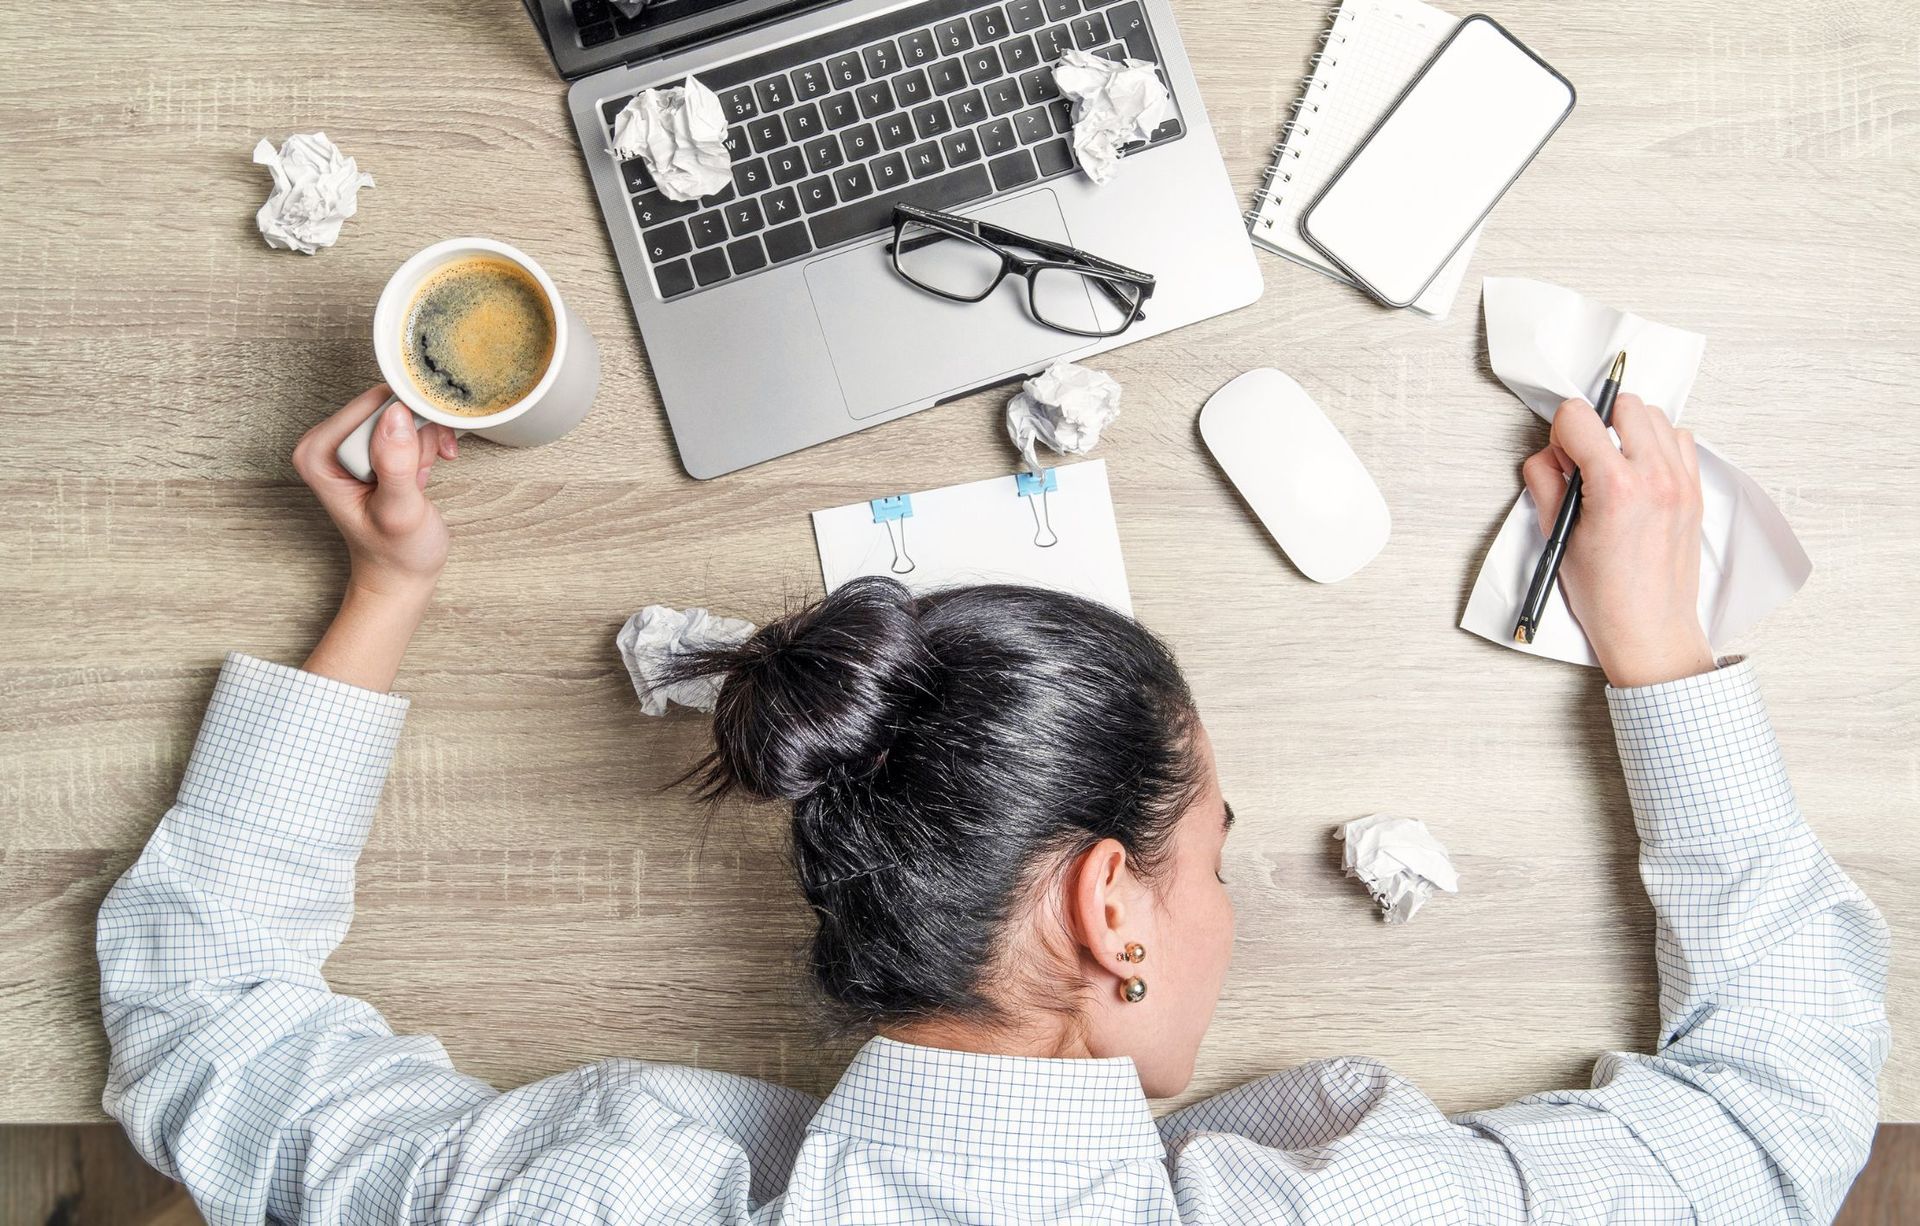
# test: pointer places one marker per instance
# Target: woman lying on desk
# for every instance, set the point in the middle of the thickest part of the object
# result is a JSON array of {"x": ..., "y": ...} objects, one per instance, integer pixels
[{"x": 1006, "y": 819}]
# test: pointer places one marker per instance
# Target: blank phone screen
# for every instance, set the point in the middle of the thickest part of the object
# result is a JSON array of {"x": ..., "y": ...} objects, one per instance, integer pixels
[{"x": 1438, "y": 162}]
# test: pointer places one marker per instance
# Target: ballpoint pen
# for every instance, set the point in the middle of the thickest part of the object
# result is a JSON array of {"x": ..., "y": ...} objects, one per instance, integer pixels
[{"x": 1548, "y": 568}]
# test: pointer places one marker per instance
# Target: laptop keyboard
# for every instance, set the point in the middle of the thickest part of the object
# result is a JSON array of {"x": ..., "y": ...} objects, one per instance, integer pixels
[{"x": 937, "y": 104}]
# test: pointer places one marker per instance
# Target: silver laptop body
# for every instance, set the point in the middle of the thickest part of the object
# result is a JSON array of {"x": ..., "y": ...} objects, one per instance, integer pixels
[{"x": 760, "y": 349}]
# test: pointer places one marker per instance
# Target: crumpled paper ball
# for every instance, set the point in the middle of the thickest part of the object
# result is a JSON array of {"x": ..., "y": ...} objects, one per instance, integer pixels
[
  {"x": 656, "y": 635},
  {"x": 1066, "y": 407},
  {"x": 1398, "y": 861},
  {"x": 315, "y": 190},
  {"x": 681, "y": 132},
  {"x": 1113, "y": 105}
]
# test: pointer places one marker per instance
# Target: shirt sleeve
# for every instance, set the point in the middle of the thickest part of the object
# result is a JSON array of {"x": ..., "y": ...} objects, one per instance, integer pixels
[
  {"x": 1759, "y": 1102},
  {"x": 236, "y": 1071}
]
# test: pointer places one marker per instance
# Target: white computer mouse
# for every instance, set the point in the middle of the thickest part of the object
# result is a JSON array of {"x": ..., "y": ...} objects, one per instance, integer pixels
[{"x": 1296, "y": 471}]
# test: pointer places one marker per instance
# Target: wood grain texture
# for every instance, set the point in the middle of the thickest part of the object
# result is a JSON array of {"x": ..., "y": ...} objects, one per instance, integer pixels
[{"x": 537, "y": 896}]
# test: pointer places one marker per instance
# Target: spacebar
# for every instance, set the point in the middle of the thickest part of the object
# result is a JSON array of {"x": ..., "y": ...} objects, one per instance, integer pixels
[{"x": 876, "y": 212}]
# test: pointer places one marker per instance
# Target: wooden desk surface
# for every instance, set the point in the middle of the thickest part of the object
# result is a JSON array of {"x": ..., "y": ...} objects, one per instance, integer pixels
[{"x": 534, "y": 897}]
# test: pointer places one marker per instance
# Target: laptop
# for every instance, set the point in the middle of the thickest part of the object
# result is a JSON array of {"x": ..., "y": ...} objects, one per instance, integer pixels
[{"x": 772, "y": 316}]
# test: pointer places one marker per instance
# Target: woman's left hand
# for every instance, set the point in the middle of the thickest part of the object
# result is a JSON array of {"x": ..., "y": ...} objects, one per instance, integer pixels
[{"x": 394, "y": 534}]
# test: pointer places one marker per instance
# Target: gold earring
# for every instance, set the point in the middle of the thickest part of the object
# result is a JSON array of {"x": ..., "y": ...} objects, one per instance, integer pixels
[
  {"x": 1134, "y": 990},
  {"x": 1134, "y": 952}
]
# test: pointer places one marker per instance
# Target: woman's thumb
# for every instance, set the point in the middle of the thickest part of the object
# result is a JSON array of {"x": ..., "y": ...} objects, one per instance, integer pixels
[{"x": 395, "y": 452}]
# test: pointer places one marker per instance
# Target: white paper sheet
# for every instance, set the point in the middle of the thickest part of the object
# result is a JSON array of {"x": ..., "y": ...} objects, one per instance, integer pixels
[
  {"x": 651, "y": 640},
  {"x": 1114, "y": 104},
  {"x": 1549, "y": 344},
  {"x": 681, "y": 133},
  {"x": 1398, "y": 860},
  {"x": 315, "y": 189},
  {"x": 1066, "y": 406},
  {"x": 986, "y": 532}
]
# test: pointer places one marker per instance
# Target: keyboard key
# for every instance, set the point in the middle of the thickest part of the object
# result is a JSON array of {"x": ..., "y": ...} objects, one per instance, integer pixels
[
  {"x": 1088, "y": 31},
  {"x": 738, "y": 146},
  {"x": 743, "y": 217},
  {"x": 746, "y": 256},
  {"x": 1060, "y": 10},
  {"x": 1112, "y": 52},
  {"x": 895, "y": 130},
  {"x": 773, "y": 94},
  {"x": 750, "y": 178},
  {"x": 1054, "y": 157},
  {"x": 708, "y": 228},
  {"x": 876, "y": 212},
  {"x": 874, "y": 98},
  {"x": 1024, "y": 15},
  {"x": 924, "y": 160},
  {"x": 845, "y": 70},
  {"x": 1013, "y": 170},
  {"x": 817, "y": 194},
  {"x": 1032, "y": 126},
  {"x": 666, "y": 242},
  {"x": 1061, "y": 111},
  {"x": 803, "y": 122},
  {"x": 634, "y": 172},
  {"x": 952, "y": 37},
  {"x": 612, "y": 107},
  {"x": 851, "y": 182},
  {"x": 889, "y": 172},
  {"x": 810, "y": 82},
  {"x": 947, "y": 76},
  {"x": 931, "y": 120},
  {"x": 1166, "y": 132},
  {"x": 983, "y": 63},
  {"x": 673, "y": 279},
  {"x": 787, "y": 165},
  {"x": 738, "y": 103},
  {"x": 1038, "y": 86},
  {"x": 1053, "y": 42},
  {"x": 859, "y": 143},
  {"x": 910, "y": 88},
  {"x": 781, "y": 206},
  {"x": 960, "y": 148},
  {"x": 711, "y": 266},
  {"x": 967, "y": 108},
  {"x": 1129, "y": 24},
  {"x": 788, "y": 242},
  {"x": 882, "y": 59},
  {"x": 822, "y": 154},
  {"x": 917, "y": 48},
  {"x": 651, "y": 208},
  {"x": 1018, "y": 54},
  {"x": 840, "y": 110},
  {"x": 1003, "y": 97},
  {"x": 998, "y": 137},
  {"x": 989, "y": 25},
  {"x": 767, "y": 132}
]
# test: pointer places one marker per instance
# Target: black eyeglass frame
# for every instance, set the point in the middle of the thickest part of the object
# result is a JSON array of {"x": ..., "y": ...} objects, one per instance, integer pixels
[{"x": 997, "y": 239}]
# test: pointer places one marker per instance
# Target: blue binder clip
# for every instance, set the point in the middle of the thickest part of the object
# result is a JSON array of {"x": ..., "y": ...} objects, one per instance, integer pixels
[
  {"x": 1029, "y": 485},
  {"x": 892, "y": 514},
  {"x": 1036, "y": 489}
]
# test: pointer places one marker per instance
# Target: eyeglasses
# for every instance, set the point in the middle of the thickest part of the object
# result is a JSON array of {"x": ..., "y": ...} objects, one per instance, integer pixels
[{"x": 965, "y": 259}]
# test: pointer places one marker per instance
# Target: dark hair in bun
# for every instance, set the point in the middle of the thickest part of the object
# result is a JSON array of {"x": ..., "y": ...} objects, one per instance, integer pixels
[{"x": 939, "y": 752}]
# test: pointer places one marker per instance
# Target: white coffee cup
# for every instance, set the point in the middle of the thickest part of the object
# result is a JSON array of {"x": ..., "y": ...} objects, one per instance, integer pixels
[{"x": 554, "y": 406}]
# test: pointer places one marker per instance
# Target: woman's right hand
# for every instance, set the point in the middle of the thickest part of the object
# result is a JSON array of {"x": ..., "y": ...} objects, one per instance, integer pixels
[{"x": 1632, "y": 569}]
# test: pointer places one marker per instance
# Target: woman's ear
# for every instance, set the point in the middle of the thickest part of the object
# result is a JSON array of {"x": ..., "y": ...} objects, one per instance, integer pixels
[{"x": 1103, "y": 898}]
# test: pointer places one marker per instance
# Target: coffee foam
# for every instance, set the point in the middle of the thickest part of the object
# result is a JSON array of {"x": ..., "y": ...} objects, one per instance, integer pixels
[{"x": 479, "y": 336}]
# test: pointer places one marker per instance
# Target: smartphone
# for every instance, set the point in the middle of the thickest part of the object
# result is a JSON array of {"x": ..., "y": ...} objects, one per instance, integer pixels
[{"x": 1438, "y": 161}]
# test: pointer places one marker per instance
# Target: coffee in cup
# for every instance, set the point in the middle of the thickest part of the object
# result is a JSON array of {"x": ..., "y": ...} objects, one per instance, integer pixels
[{"x": 479, "y": 336}]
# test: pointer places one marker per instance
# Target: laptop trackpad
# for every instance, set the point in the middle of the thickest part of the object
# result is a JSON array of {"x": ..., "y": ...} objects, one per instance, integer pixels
[{"x": 894, "y": 343}]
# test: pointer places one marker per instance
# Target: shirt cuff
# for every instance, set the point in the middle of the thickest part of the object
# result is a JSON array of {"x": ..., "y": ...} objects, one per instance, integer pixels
[
  {"x": 281, "y": 749},
  {"x": 1700, "y": 756}
]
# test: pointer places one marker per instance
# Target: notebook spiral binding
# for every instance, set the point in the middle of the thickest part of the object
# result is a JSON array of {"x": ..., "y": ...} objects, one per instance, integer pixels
[{"x": 1275, "y": 177}]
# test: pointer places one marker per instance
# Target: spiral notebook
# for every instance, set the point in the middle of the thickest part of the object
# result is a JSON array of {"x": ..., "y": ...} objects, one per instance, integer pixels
[{"x": 1369, "y": 54}]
